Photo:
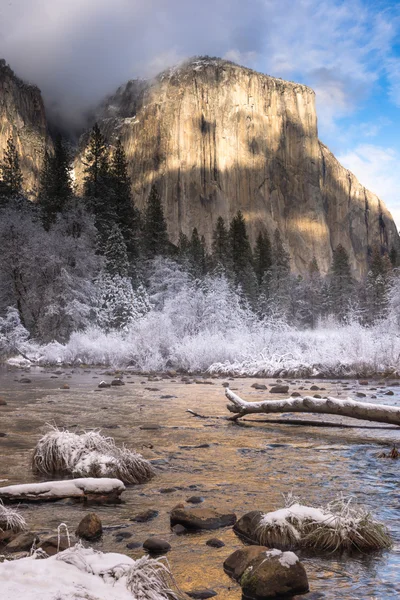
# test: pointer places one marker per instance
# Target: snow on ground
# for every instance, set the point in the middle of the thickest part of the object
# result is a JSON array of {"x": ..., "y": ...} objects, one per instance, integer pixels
[{"x": 82, "y": 573}]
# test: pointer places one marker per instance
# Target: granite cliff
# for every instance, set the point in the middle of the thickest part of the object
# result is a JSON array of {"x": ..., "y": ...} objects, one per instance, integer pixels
[
  {"x": 216, "y": 137},
  {"x": 22, "y": 116}
]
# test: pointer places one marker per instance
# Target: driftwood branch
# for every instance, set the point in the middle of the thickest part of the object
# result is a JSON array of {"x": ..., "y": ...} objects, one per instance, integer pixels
[{"x": 379, "y": 413}]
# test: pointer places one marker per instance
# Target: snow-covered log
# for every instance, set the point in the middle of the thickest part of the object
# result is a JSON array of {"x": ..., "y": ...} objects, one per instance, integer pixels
[
  {"x": 84, "y": 573},
  {"x": 61, "y": 452},
  {"x": 381, "y": 413},
  {"x": 87, "y": 489}
]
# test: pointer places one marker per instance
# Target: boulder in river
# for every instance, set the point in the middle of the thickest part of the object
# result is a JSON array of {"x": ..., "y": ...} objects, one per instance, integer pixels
[
  {"x": 90, "y": 528},
  {"x": 22, "y": 542},
  {"x": 237, "y": 562},
  {"x": 200, "y": 518},
  {"x": 274, "y": 574},
  {"x": 247, "y": 525},
  {"x": 155, "y": 545},
  {"x": 279, "y": 389}
]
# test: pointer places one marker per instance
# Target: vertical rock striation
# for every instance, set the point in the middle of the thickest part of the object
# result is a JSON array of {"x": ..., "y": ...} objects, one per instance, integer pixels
[
  {"x": 22, "y": 116},
  {"x": 216, "y": 137}
]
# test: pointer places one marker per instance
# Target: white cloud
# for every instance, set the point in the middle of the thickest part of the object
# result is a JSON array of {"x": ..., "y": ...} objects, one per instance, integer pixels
[{"x": 377, "y": 168}]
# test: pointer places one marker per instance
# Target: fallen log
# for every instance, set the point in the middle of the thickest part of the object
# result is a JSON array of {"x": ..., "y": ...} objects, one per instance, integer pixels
[
  {"x": 89, "y": 489},
  {"x": 381, "y": 413}
]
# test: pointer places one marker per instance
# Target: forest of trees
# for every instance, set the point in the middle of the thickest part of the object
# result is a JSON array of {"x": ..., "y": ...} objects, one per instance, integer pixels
[{"x": 69, "y": 261}]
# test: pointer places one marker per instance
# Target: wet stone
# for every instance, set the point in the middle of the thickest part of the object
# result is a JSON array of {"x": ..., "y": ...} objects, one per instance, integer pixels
[
  {"x": 279, "y": 389},
  {"x": 259, "y": 386},
  {"x": 201, "y": 594},
  {"x": 179, "y": 529},
  {"x": 150, "y": 427},
  {"x": 22, "y": 542},
  {"x": 134, "y": 545},
  {"x": 195, "y": 499},
  {"x": 215, "y": 543},
  {"x": 90, "y": 528},
  {"x": 156, "y": 546},
  {"x": 201, "y": 518},
  {"x": 145, "y": 516},
  {"x": 117, "y": 382}
]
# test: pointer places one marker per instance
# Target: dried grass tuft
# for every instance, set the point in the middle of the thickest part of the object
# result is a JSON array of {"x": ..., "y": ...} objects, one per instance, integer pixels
[
  {"x": 339, "y": 526},
  {"x": 61, "y": 452},
  {"x": 11, "y": 520}
]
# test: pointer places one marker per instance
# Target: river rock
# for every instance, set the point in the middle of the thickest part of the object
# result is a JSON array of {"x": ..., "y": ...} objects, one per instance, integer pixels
[
  {"x": 22, "y": 542},
  {"x": 195, "y": 499},
  {"x": 144, "y": 517},
  {"x": 279, "y": 389},
  {"x": 314, "y": 388},
  {"x": 215, "y": 543},
  {"x": 201, "y": 594},
  {"x": 104, "y": 384},
  {"x": 65, "y": 386},
  {"x": 237, "y": 562},
  {"x": 155, "y": 545},
  {"x": 90, "y": 528},
  {"x": 117, "y": 382},
  {"x": 201, "y": 518},
  {"x": 52, "y": 544},
  {"x": 274, "y": 574},
  {"x": 295, "y": 395},
  {"x": 179, "y": 529},
  {"x": 360, "y": 395},
  {"x": 3, "y": 402},
  {"x": 246, "y": 526},
  {"x": 259, "y": 386},
  {"x": 25, "y": 380}
]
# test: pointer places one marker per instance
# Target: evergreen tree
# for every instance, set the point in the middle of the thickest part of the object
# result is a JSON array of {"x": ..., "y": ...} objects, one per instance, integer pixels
[
  {"x": 394, "y": 258},
  {"x": 220, "y": 249},
  {"x": 262, "y": 256},
  {"x": 115, "y": 254},
  {"x": 341, "y": 283},
  {"x": 155, "y": 226},
  {"x": 376, "y": 292},
  {"x": 197, "y": 254},
  {"x": 55, "y": 190},
  {"x": 97, "y": 183},
  {"x": 10, "y": 172},
  {"x": 242, "y": 258},
  {"x": 278, "y": 278},
  {"x": 128, "y": 217}
]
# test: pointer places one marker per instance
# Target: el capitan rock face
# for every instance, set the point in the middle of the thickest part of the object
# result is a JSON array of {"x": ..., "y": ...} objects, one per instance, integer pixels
[
  {"x": 216, "y": 137},
  {"x": 22, "y": 116}
]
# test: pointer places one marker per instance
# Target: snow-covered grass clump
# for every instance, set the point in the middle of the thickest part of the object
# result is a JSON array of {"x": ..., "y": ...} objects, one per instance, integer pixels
[
  {"x": 10, "y": 519},
  {"x": 84, "y": 573},
  {"x": 61, "y": 452},
  {"x": 339, "y": 526}
]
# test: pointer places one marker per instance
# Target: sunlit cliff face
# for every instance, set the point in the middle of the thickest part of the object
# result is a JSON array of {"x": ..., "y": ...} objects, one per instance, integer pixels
[{"x": 217, "y": 138}]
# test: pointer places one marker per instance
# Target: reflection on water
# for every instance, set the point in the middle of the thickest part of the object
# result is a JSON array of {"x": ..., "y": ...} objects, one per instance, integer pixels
[{"x": 240, "y": 469}]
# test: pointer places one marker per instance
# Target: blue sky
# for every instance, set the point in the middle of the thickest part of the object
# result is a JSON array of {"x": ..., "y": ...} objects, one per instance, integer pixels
[{"x": 348, "y": 51}]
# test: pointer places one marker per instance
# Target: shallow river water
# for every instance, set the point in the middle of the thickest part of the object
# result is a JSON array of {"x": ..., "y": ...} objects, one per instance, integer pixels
[{"x": 243, "y": 468}]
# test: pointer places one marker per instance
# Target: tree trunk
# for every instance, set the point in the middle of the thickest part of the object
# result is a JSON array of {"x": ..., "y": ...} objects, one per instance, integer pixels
[{"x": 380, "y": 413}]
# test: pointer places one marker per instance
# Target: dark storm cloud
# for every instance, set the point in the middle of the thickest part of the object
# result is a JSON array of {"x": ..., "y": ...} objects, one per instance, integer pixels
[{"x": 79, "y": 50}]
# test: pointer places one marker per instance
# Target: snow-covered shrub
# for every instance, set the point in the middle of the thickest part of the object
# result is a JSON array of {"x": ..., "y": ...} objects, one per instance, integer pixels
[
  {"x": 11, "y": 519},
  {"x": 339, "y": 526},
  {"x": 13, "y": 334},
  {"x": 61, "y": 452},
  {"x": 80, "y": 572}
]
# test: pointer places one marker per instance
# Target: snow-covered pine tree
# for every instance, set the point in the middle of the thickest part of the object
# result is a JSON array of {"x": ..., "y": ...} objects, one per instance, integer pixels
[
  {"x": 10, "y": 172},
  {"x": 115, "y": 254},
  {"x": 341, "y": 283},
  {"x": 155, "y": 226}
]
